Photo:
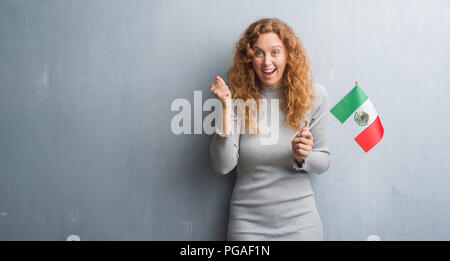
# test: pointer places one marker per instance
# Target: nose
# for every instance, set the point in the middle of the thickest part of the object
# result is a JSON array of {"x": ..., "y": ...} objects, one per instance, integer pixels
[{"x": 267, "y": 60}]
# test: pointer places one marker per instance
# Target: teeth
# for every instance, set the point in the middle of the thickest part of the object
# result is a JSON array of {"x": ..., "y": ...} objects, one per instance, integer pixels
[{"x": 269, "y": 71}]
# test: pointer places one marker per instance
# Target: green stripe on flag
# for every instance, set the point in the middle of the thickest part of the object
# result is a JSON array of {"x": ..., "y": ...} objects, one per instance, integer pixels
[{"x": 349, "y": 104}]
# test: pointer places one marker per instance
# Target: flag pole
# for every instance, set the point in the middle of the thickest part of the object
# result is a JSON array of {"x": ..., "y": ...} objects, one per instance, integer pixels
[{"x": 318, "y": 119}]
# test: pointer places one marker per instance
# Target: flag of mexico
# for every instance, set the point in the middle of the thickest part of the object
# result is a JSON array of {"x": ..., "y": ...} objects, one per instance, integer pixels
[{"x": 357, "y": 112}]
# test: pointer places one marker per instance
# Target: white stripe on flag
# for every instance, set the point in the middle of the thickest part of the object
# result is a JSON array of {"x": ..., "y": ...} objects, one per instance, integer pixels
[{"x": 350, "y": 123}]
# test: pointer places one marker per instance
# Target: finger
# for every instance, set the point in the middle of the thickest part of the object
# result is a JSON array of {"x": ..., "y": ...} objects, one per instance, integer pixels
[
  {"x": 308, "y": 137},
  {"x": 299, "y": 134},
  {"x": 302, "y": 153},
  {"x": 219, "y": 79},
  {"x": 219, "y": 85},
  {"x": 296, "y": 140},
  {"x": 222, "y": 85},
  {"x": 306, "y": 134},
  {"x": 215, "y": 87},
  {"x": 221, "y": 93},
  {"x": 302, "y": 146},
  {"x": 216, "y": 93},
  {"x": 302, "y": 140}
]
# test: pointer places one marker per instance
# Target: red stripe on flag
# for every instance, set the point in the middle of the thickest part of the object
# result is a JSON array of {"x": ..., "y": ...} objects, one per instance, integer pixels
[{"x": 370, "y": 136}]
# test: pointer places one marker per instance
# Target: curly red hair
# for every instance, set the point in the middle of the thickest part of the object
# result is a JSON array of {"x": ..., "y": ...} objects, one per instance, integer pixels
[{"x": 297, "y": 91}]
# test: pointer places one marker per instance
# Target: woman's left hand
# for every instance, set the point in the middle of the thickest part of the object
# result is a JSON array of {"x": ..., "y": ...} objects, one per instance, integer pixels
[{"x": 302, "y": 144}]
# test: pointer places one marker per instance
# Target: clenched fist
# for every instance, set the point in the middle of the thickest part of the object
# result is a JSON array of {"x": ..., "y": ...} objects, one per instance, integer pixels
[
  {"x": 221, "y": 91},
  {"x": 302, "y": 144}
]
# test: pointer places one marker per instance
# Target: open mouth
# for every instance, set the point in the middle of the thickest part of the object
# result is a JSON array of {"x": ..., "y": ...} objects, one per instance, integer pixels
[{"x": 269, "y": 73}]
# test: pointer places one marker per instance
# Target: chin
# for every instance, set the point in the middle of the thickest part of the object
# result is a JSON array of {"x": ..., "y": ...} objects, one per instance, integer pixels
[{"x": 271, "y": 84}]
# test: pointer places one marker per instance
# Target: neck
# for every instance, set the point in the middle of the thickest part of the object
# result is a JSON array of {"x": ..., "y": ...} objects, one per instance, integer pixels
[{"x": 265, "y": 86}]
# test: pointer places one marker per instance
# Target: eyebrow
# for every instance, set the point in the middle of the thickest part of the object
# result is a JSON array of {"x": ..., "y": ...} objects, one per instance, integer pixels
[{"x": 272, "y": 46}]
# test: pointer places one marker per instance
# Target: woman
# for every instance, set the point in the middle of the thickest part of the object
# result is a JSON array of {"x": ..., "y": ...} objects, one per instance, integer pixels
[{"x": 272, "y": 198}]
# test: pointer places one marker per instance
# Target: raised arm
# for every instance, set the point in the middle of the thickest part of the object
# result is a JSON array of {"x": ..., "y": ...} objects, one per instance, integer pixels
[{"x": 224, "y": 148}]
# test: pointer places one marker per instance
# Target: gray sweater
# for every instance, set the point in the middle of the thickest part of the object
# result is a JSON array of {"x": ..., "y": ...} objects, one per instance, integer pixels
[{"x": 272, "y": 198}]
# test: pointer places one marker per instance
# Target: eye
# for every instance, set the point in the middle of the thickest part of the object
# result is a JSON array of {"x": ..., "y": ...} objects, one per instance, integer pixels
[
  {"x": 276, "y": 52},
  {"x": 258, "y": 53}
]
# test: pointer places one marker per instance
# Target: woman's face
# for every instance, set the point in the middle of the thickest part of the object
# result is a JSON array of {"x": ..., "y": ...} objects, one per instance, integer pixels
[{"x": 270, "y": 59}]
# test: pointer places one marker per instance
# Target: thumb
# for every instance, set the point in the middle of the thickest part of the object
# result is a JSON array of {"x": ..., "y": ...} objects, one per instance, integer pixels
[
  {"x": 219, "y": 79},
  {"x": 303, "y": 130}
]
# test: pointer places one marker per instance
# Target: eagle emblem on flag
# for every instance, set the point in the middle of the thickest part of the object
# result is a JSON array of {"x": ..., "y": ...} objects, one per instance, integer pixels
[{"x": 361, "y": 118}]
